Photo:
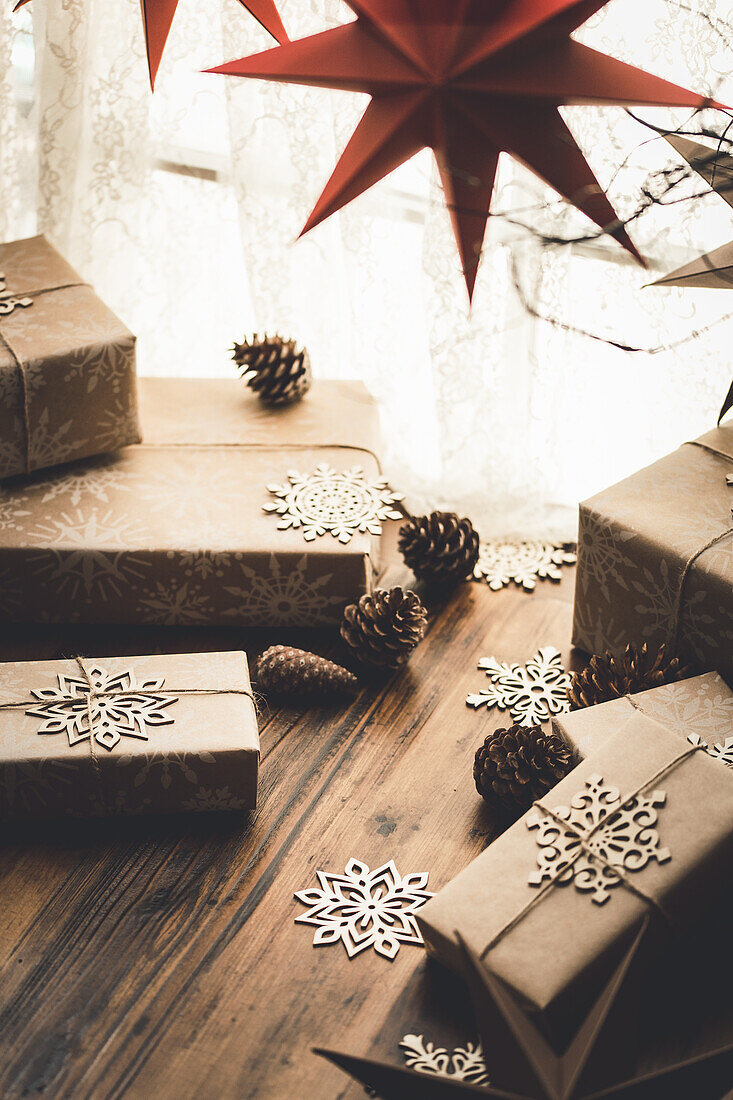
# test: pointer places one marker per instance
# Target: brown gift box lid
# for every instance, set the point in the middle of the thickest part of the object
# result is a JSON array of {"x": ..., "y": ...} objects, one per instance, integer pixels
[
  {"x": 551, "y": 951},
  {"x": 655, "y": 558},
  {"x": 66, "y": 362},
  {"x": 173, "y": 531},
  {"x": 701, "y": 706},
  {"x": 174, "y": 732}
]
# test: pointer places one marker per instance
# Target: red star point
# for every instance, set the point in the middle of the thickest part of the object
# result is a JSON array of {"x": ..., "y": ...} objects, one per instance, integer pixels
[{"x": 469, "y": 79}]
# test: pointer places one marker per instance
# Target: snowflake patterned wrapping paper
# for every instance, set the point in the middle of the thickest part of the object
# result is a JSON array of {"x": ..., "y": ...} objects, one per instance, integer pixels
[
  {"x": 655, "y": 558},
  {"x": 67, "y": 365},
  {"x": 174, "y": 531},
  {"x": 552, "y": 943},
  {"x": 158, "y": 734},
  {"x": 699, "y": 707}
]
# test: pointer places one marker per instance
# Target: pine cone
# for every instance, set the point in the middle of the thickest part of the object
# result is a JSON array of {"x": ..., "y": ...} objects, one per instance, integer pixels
[
  {"x": 439, "y": 548},
  {"x": 275, "y": 369},
  {"x": 514, "y": 767},
  {"x": 384, "y": 628},
  {"x": 607, "y": 677},
  {"x": 287, "y": 671}
]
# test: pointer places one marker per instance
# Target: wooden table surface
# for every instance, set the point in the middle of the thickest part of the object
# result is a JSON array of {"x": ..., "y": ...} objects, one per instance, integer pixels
[{"x": 158, "y": 957}]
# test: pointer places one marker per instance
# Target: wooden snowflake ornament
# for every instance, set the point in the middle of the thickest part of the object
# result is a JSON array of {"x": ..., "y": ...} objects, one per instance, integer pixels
[
  {"x": 363, "y": 908},
  {"x": 501, "y": 561},
  {"x": 531, "y": 693},
  {"x": 462, "y": 1064},
  {"x": 596, "y": 840},
  {"x": 107, "y": 707},
  {"x": 468, "y": 80},
  {"x": 330, "y": 502},
  {"x": 722, "y": 752},
  {"x": 10, "y": 302}
]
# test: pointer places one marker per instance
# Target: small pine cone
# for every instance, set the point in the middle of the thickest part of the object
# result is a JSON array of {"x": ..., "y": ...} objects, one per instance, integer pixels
[
  {"x": 607, "y": 677},
  {"x": 275, "y": 369},
  {"x": 439, "y": 548},
  {"x": 384, "y": 628},
  {"x": 516, "y": 766},
  {"x": 287, "y": 671}
]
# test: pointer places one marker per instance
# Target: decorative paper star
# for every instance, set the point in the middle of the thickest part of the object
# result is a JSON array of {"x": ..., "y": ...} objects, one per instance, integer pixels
[
  {"x": 158, "y": 16},
  {"x": 469, "y": 79},
  {"x": 714, "y": 269},
  {"x": 523, "y": 1066}
]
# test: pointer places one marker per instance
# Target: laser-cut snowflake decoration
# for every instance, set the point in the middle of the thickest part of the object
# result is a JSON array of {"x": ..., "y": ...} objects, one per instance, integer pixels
[
  {"x": 364, "y": 908},
  {"x": 502, "y": 561},
  {"x": 598, "y": 838},
  {"x": 8, "y": 301},
  {"x": 340, "y": 503},
  {"x": 462, "y": 1064},
  {"x": 531, "y": 693},
  {"x": 115, "y": 706},
  {"x": 722, "y": 752}
]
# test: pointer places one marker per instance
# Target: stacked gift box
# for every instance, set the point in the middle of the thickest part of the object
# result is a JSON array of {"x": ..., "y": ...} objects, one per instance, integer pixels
[{"x": 175, "y": 501}]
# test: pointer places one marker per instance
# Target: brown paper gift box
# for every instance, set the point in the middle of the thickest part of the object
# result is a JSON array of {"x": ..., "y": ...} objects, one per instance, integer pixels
[
  {"x": 699, "y": 707},
  {"x": 200, "y": 749},
  {"x": 655, "y": 558},
  {"x": 553, "y": 947},
  {"x": 67, "y": 364},
  {"x": 173, "y": 531}
]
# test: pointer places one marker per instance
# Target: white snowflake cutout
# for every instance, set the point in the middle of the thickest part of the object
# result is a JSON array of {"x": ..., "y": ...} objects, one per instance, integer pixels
[
  {"x": 9, "y": 301},
  {"x": 364, "y": 908},
  {"x": 462, "y": 1064},
  {"x": 338, "y": 503},
  {"x": 722, "y": 751},
  {"x": 531, "y": 692},
  {"x": 111, "y": 706},
  {"x": 597, "y": 834},
  {"x": 501, "y": 561}
]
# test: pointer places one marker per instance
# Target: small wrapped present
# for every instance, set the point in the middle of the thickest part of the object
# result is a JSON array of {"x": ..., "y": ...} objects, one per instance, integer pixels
[
  {"x": 228, "y": 514},
  {"x": 655, "y": 558},
  {"x": 127, "y": 735},
  {"x": 67, "y": 364},
  {"x": 642, "y": 828},
  {"x": 699, "y": 709}
]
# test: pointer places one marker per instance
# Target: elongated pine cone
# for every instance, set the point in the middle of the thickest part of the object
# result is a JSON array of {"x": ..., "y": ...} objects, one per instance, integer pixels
[
  {"x": 607, "y": 677},
  {"x": 384, "y": 628},
  {"x": 287, "y": 671},
  {"x": 516, "y": 766},
  {"x": 439, "y": 548},
  {"x": 278, "y": 371}
]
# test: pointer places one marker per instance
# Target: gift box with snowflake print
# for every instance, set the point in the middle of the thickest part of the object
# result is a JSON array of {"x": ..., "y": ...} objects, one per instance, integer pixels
[
  {"x": 127, "y": 735},
  {"x": 698, "y": 709},
  {"x": 67, "y": 364},
  {"x": 639, "y": 830},
  {"x": 228, "y": 514},
  {"x": 655, "y": 558}
]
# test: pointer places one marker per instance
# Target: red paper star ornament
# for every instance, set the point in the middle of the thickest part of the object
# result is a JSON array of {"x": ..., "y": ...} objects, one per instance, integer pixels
[
  {"x": 469, "y": 79},
  {"x": 158, "y": 17}
]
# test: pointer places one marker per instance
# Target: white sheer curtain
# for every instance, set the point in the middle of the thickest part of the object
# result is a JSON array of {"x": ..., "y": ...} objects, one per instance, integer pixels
[{"x": 184, "y": 208}]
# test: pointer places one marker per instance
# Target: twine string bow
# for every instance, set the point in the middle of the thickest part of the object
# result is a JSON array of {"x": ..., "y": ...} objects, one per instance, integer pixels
[{"x": 585, "y": 848}]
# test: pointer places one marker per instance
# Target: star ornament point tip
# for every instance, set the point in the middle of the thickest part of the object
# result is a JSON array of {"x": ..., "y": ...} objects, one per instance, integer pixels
[{"x": 469, "y": 80}]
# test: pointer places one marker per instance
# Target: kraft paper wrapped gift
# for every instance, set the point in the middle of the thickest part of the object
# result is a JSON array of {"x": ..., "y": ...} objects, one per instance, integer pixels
[
  {"x": 700, "y": 707},
  {"x": 550, "y": 927},
  {"x": 67, "y": 364},
  {"x": 174, "y": 531},
  {"x": 655, "y": 558},
  {"x": 127, "y": 735}
]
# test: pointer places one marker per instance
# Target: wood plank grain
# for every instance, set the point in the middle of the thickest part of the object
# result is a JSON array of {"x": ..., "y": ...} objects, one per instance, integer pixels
[
  {"x": 168, "y": 936},
  {"x": 159, "y": 957}
]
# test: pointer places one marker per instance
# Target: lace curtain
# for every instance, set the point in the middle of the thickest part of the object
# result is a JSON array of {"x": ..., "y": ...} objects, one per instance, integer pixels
[{"x": 183, "y": 208}]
